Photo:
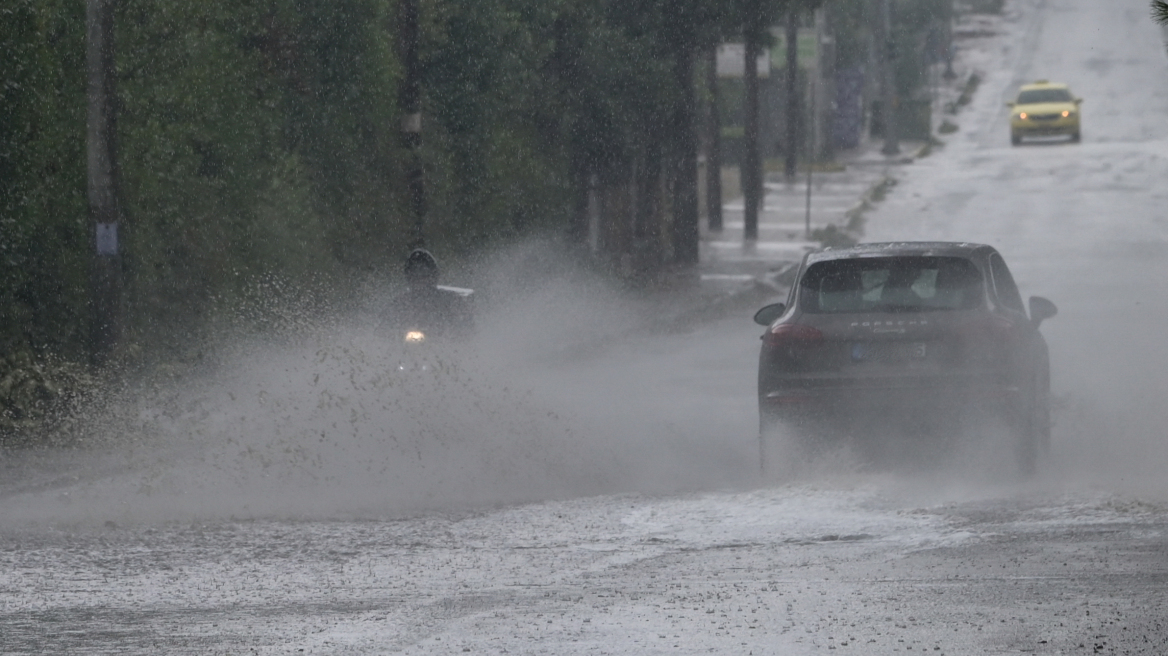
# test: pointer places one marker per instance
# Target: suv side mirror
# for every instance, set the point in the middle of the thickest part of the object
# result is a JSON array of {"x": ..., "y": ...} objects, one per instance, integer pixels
[
  {"x": 1041, "y": 309},
  {"x": 768, "y": 314}
]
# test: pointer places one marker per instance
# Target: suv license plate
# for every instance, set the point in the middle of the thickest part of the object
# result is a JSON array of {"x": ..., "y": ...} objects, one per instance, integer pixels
[{"x": 889, "y": 352}]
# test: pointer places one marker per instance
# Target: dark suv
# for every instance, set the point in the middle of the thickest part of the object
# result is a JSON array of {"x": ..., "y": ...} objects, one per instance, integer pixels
[{"x": 922, "y": 333}]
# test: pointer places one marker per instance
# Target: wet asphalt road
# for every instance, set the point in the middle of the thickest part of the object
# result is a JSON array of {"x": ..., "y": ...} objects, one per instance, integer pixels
[
  {"x": 615, "y": 507},
  {"x": 869, "y": 566}
]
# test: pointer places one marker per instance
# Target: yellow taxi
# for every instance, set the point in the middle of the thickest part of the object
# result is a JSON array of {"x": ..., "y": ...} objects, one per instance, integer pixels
[{"x": 1044, "y": 109}]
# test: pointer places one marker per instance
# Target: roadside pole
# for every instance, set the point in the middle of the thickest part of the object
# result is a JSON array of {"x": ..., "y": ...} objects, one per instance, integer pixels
[
  {"x": 713, "y": 146},
  {"x": 751, "y": 164},
  {"x": 683, "y": 170},
  {"x": 791, "y": 161},
  {"x": 102, "y": 180},
  {"x": 811, "y": 148},
  {"x": 410, "y": 100},
  {"x": 888, "y": 80}
]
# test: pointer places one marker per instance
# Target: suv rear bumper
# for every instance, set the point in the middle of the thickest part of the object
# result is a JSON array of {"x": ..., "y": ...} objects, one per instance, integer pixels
[{"x": 890, "y": 398}]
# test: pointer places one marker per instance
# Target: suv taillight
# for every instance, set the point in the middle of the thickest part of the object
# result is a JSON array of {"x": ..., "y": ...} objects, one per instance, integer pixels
[
  {"x": 792, "y": 334},
  {"x": 994, "y": 329}
]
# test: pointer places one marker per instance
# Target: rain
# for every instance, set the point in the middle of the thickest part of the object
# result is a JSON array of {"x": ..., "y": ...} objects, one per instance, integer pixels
[{"x": 215, "y": 440}]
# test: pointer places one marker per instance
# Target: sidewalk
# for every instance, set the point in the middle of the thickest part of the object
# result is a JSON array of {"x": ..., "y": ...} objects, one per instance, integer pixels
[{"x": 731, "y": 267}]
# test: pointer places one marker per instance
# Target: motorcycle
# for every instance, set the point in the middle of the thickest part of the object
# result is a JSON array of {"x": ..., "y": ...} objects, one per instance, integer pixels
[
  {"x": 416, "y": 356},
  {"x": 427, "y": 350}
]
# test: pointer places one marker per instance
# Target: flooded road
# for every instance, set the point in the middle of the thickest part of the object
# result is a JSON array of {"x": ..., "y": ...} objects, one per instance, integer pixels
[
  {"x": 1081, "y": 224},
  {"x": 871, "y": 566}
]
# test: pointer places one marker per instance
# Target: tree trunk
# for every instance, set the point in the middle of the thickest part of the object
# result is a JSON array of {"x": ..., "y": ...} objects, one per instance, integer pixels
[
  {"x": 565, "y": 66},
  {"x": 410, "y": 102},
  {"x": 791, "y": 147},
  {"x": 644, "y": 252},
  {"x": 713, "y": 146},
  {"x": 579, "y": 221},
  {"x": 888, "y": 81},
  {"x": 751, "y": 164},
  {"x": 684, "y": 166},
  {"x": 102, "y": 179}
]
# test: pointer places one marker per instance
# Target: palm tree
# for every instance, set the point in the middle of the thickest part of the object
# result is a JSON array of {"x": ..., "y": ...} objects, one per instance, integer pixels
[{"x": 1160, "y": 11}]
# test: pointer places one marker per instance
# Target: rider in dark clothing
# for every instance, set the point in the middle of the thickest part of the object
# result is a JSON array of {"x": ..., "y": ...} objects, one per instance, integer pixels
[{"x": 437, "y": 311}]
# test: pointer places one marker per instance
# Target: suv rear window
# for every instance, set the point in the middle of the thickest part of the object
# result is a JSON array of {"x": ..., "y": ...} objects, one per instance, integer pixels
[{"x": 891, "y": 284}]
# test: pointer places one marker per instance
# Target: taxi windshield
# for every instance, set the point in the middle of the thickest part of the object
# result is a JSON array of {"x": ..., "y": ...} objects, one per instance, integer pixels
[{"x": 1033, "y": 96}]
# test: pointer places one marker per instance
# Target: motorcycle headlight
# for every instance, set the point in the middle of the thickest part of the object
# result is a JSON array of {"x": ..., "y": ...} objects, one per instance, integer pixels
[{"x": 415, "y": 337}]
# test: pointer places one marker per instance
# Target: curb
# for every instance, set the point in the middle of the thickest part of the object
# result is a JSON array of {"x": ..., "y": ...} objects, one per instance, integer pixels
[
  {"x": 760, "y": 289},
  {"x": 867, "y": 200}
]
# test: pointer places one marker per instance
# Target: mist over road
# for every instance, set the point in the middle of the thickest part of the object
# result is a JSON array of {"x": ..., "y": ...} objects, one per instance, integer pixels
[
  {"x": 1082, "y": 224},
  {"x": 606, "y": 499}
]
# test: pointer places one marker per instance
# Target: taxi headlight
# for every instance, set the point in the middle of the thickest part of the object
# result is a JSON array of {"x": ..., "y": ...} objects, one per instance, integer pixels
[{"x": 1023, "y": 116}]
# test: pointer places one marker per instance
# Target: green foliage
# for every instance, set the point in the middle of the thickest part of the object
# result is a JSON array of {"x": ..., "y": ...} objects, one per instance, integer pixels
[
  {"x": 259, "y": 147},
  {"x": 34, "y": 390},
  {"x": 912, "y": 22},
  {"x": 256, "y": 138},
  {"x": 43, "y": 228},
  {"x": 492, "y": 144},
  {"x": 339, "y": 79},
  {"x": 984, "y": 6},
  {"x": 854, "y": 21},
  {"x": 851, "y": 21},
  {"x": 1160, "y": 11}
]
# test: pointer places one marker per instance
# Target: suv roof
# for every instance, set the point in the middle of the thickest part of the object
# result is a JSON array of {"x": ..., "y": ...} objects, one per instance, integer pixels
[{"x": 899, "y": 248}]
